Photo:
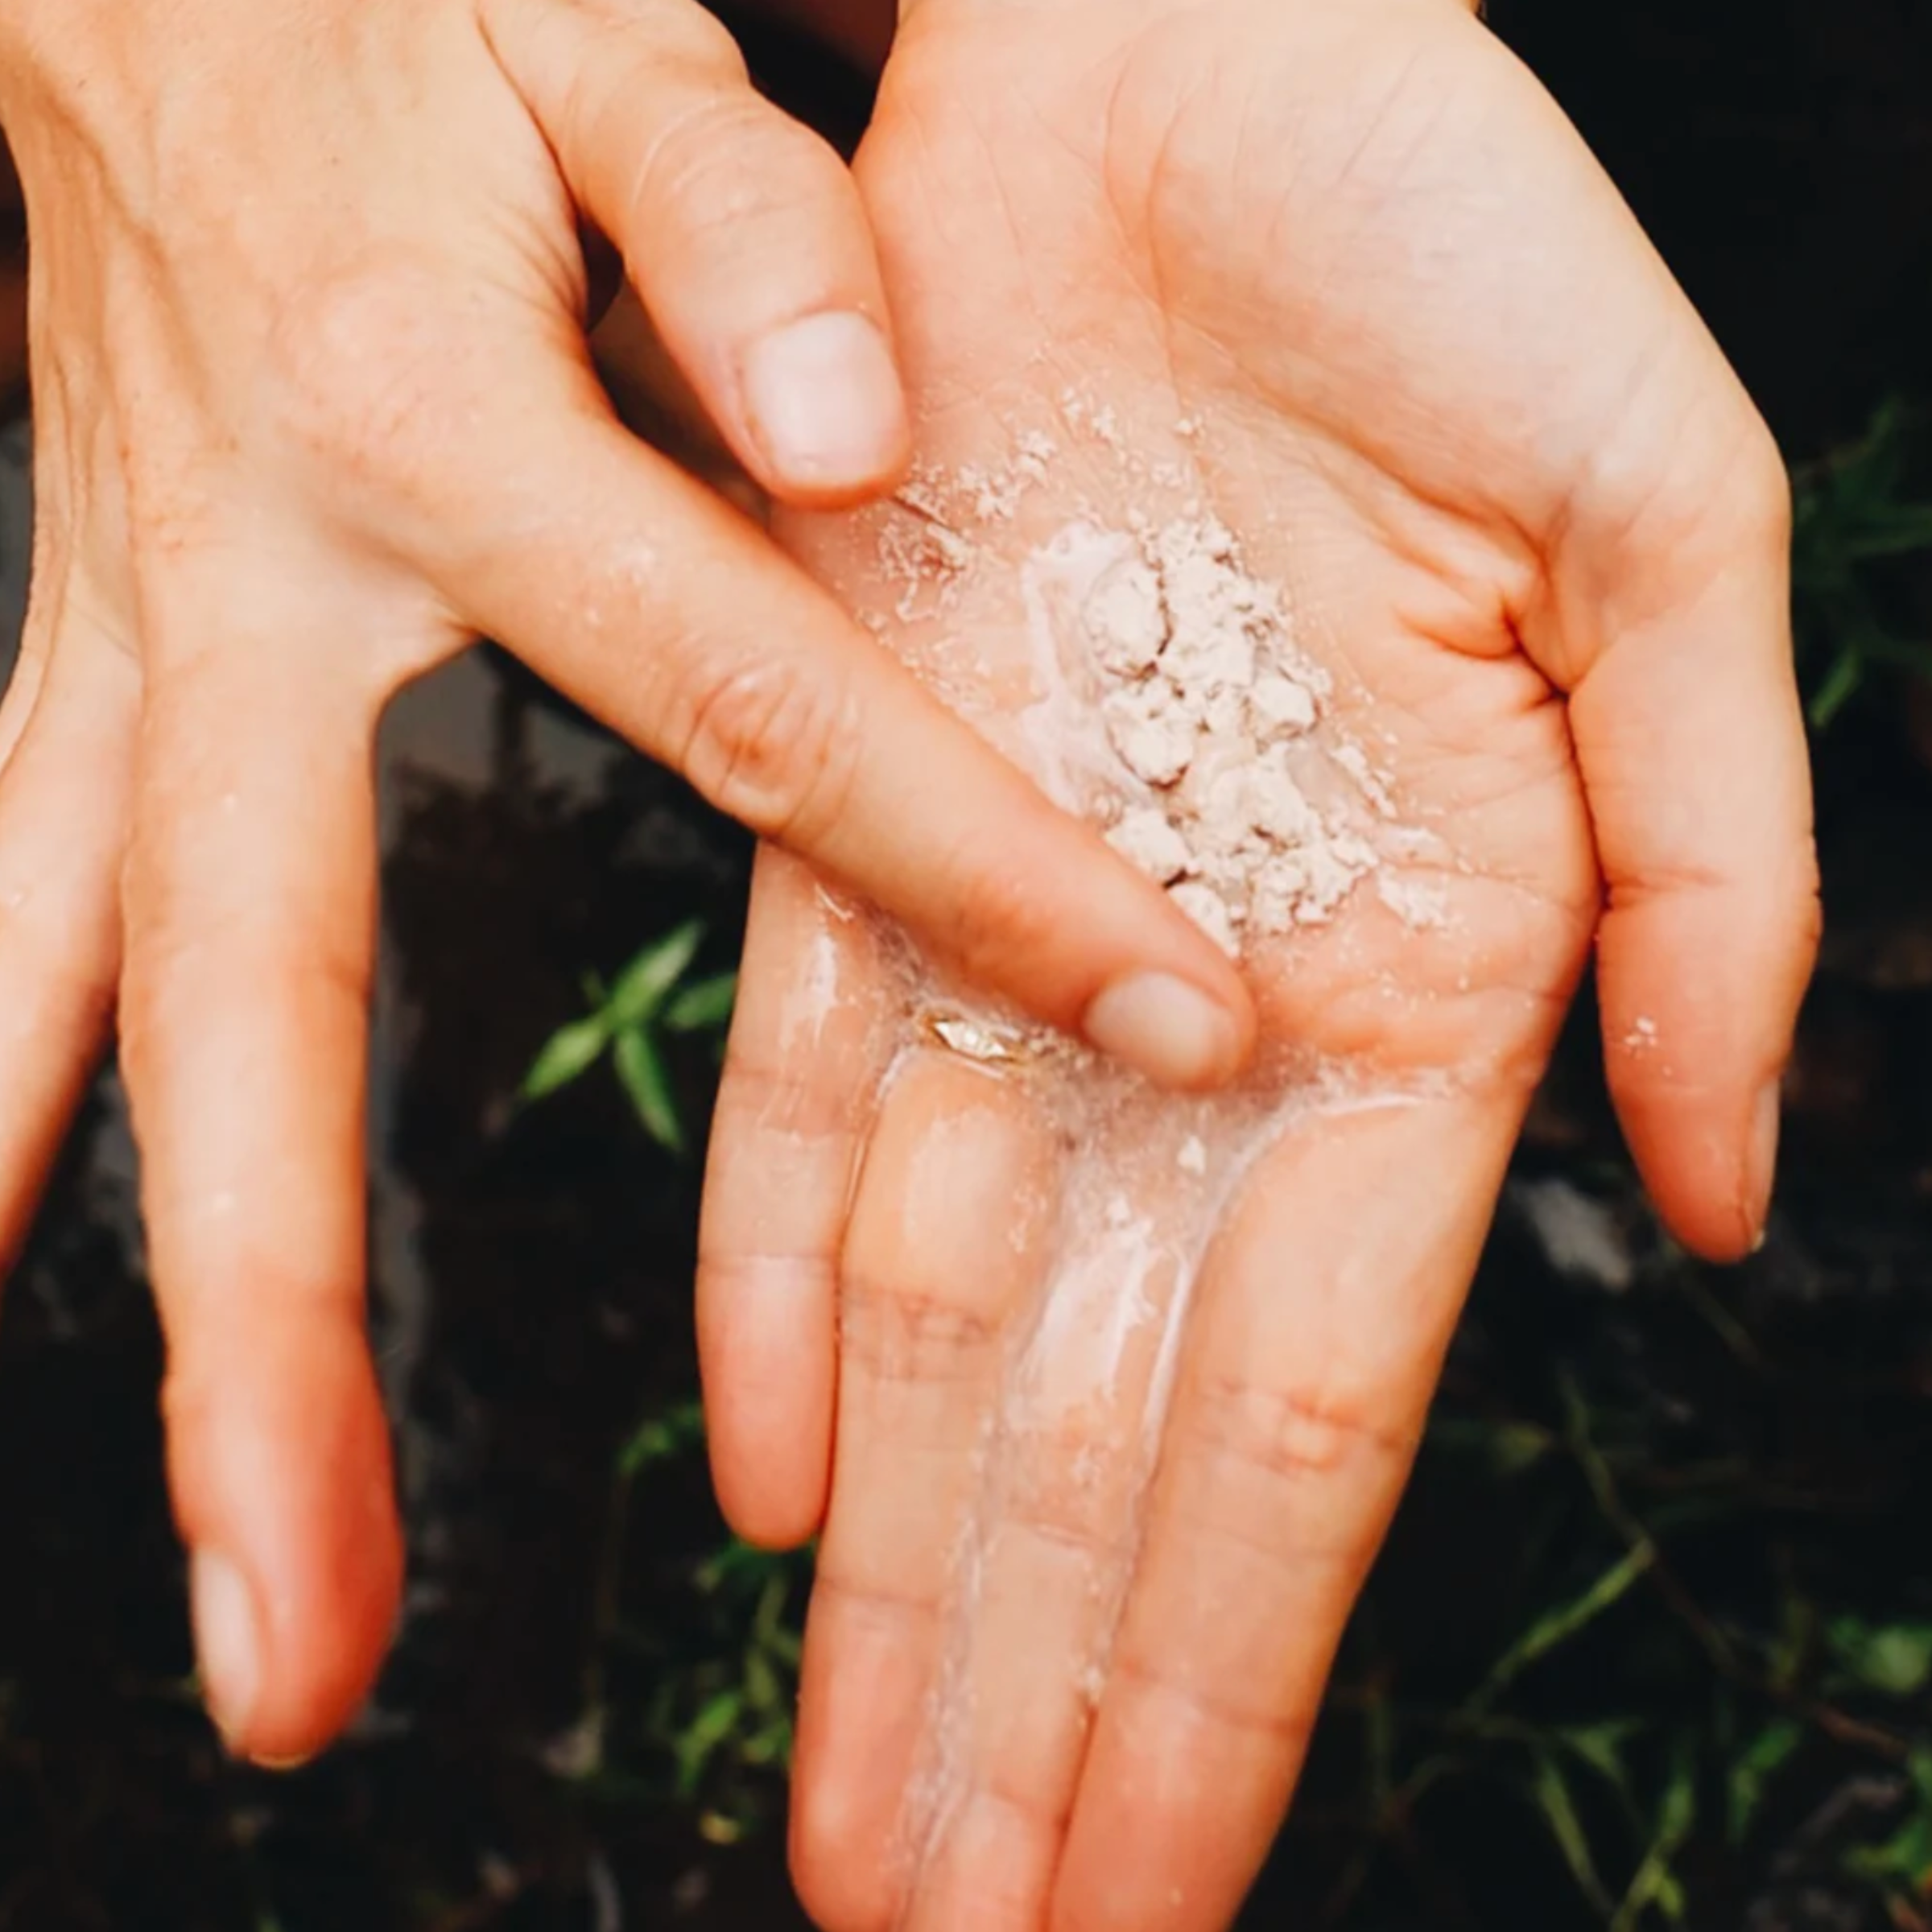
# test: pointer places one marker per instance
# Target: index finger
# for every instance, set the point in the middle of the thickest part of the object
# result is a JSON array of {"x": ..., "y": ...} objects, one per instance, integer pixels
[{"x": 661, "y": 610}]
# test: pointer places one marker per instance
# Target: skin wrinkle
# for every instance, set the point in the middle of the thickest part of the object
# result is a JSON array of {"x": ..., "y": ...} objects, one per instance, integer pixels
[
  {"x": 908, "y": 1340},
  {"x": 1294, "y": 1731},
  {"x": 774, "y": 749},
  {"x": 917, "y": 1606},
  {"x": 779, "y": 1097}
]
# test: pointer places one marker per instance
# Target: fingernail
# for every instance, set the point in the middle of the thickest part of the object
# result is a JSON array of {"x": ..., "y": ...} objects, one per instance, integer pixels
[
  {"x": 824, "y": 400},
  {"x": 1165, "y": 1028},
  {"x": 227, "y": 1641},
  {"x": 1763, "y": 1175}
]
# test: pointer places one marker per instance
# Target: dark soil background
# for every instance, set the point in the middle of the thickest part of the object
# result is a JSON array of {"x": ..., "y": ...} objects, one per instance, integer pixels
[{"x": 1653, "y": 1638}]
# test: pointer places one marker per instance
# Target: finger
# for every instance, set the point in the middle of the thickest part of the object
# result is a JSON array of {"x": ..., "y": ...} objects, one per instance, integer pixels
[
  {"x": 741, "y": 231},
  {"x": 250, "y": 907},
  {"x": 809, "y": 1044},
  {"x": 668, "y": 616},
  {"x": 1324, "y": 1313},
  {"x": 63, "y": 808},
  {"x": 947, "y": 1242},
  {"x": 1061, "y": 1478},
  {"x": 1691, "y": 743}
]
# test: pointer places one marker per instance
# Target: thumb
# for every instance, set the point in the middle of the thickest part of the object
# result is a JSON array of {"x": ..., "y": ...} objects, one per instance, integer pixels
[
  {"x": 741, "y": 231},
  {"x": 1690, "y": 738}
]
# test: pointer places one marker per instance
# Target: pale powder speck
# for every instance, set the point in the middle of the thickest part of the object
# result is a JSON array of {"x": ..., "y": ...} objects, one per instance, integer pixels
[
  {"x": 1147, "y": 842},
  {"x": 1209, "y": 911}
]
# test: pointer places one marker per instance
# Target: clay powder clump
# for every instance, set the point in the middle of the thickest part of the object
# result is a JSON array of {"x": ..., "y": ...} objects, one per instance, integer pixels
[{"x": 1211, "y": 714}]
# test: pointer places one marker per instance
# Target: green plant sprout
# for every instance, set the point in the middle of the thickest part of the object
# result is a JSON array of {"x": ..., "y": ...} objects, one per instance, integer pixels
[
  {"x": 627, "y": 1019},
  {"x": 1686, "y": 1721},
  {"x": 713, "y": 1733},
  {"x": 1852, "y": 517}
]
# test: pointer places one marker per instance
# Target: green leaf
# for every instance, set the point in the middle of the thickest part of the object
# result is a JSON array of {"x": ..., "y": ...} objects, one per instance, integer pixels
[
  {"x": 1894, "y": 1658},
  {"x": 1551, "y": 1793},
  {"x": 704, "y": 1007},
  {"x": 762, "y": 1691},
  {"x": 646, "y": 1079},
  {"x": 701, "y": 1739},
  {"x": 1601, "y": 1748},
  {"x": 567, "y": 1055},
  {"x": 663, "y": 1438},
  {"x": 643, "y": 985},
  {"x": 1746, "y": 1781},
  {"x": 1655, "y": 1883},
  {"x": 1905, "y": 1858},
  {"x": 1558, "y": 1626},
  {"x": 1841, "y": 684}
]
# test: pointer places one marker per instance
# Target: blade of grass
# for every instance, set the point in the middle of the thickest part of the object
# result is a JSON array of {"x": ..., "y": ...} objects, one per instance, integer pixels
[{"x": 1558, "y": 1626}]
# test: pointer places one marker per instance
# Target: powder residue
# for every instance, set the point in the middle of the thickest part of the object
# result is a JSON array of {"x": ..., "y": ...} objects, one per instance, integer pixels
[
  {"x": 1176, "y": 706},
  {"x": 1216, "y": 725}
]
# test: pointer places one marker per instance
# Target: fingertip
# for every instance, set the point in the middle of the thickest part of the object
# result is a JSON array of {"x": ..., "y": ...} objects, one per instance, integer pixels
[
  {"x": 1698, "y": 1014},
  {"x": 825, "y": 410},
  {"x": 1177, "y": 1033},
  {"x": 766, "y": 1339},
  {"x": 283, "y": 1493},
  {"x": 1695, "y": 1157}
]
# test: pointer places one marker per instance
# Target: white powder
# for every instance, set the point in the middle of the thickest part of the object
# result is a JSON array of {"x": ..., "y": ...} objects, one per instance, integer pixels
[
  {"x": 1211, "y": 712},
  {"x": 1177, "y": 706},
  {"x": 1145, "y": 838},
  {"x": 1209, "y": 911}
]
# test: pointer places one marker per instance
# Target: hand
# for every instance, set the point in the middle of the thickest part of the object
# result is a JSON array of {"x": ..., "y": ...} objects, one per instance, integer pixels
[
  {"x": 314, "y": 408},
  {"x": 1104, "y": 1400}
]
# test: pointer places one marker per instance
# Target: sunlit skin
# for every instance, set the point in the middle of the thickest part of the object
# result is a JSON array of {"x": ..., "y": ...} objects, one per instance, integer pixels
[
  {"x": 1449, "y": 398},
  {"x": 313, "y": 407}
]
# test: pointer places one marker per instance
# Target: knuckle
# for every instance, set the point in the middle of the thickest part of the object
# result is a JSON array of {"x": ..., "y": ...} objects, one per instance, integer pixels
[
  {"x": 775, "y": 746},
  {"x": 688, "y": 36},
  {"x": 764, "y": 1092},
  {"x": 658, "y": 34},
  {"x": 1298, "y": 1435},
  {"x": 919, "y": 1339},
  {"x": 1165, "y": 1675},
  {"x": 724, "y": 171}
]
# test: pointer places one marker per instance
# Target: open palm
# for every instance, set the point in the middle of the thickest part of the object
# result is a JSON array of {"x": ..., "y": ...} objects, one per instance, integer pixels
[{"x": 1103, "y": 1398}]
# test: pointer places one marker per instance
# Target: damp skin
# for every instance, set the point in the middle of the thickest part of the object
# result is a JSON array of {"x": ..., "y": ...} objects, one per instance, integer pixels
[{"x": 1156, "y": 687}]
